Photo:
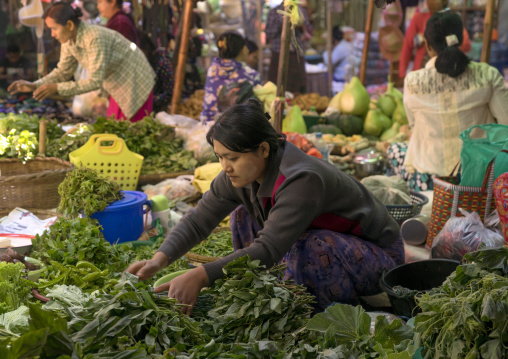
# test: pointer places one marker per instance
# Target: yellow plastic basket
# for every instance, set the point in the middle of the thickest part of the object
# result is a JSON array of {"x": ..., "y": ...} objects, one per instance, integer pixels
[{"x": 114, "y": 161}]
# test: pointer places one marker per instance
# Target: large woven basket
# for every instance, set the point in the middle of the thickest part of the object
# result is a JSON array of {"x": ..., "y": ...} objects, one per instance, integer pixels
[
  {"x": 33, "y": 184},
  {"x": 198, "y": 259}
]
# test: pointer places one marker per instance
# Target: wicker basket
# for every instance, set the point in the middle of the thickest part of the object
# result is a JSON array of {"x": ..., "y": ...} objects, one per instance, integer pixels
[
  {"x": 401, "y": 212},
  {"x": 198, "y": 259},
  {"x": 33, "y": 184}
]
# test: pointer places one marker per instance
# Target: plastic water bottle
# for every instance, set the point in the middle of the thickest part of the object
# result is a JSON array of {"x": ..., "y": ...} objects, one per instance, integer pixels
[
  {"x": 321, "y": 146},
  {"x": 160, "y": 209}
]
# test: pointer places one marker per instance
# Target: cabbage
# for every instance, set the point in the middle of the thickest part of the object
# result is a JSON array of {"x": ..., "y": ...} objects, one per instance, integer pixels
[
  {"x": 389, "y": 190},
  {"x": 16, "y": 321}
]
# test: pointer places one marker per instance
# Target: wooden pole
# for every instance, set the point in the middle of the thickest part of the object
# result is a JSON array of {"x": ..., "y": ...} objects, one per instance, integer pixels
[
  {"x": 282, "y": 73},
  {"x": 487, "y": 31},
  {"x": 329, "y": 45},
  {"x": 43, "y": 125},
  {"x": 259, "y": 13},
  {"x": 182, "y": 55},
  {"x": 368, "y": 29}
]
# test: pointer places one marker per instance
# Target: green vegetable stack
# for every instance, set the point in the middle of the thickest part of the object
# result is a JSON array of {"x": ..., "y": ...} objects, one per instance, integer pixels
[
  {"x": 218, "y": 244},
  {"x": 252, "y": 304},
  {"x": 13, "y": 287},
  {"x": 467, "y": 317},
  {"x": 84, "y": 191}
]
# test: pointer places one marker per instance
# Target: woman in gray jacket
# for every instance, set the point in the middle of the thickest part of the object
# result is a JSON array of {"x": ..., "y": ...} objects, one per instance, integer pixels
[{"x": 334, "y": 236}]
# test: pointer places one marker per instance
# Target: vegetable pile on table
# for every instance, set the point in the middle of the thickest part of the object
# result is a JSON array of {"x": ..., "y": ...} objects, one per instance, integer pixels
[
  {"x": 156, "y": 142},
  {"x": 48, "y": 108}
]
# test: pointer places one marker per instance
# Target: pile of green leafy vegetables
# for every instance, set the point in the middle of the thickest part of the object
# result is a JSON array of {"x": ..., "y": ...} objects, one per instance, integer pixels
[
  {"x": 467, "y": 316},
  {"x": 13, "y": 287},
  {"x": 85, "y": 191},
  {"x": 19, "y": 135},
  {"x": 218, "y": 244},
  {"x": 153, "y": 140}
]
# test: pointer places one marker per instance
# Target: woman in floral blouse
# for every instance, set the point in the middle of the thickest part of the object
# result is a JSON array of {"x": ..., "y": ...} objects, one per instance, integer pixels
[{"x": 228, "y": 67}]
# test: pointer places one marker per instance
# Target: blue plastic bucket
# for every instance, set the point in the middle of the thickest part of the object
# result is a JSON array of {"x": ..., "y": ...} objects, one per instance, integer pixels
[{"x": 122, "y": 221}]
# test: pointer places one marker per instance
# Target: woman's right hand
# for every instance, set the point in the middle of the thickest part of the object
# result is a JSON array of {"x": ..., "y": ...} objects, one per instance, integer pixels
[
  {"x": 148, "y": 268},
  {"x": 21, "y": 86}
]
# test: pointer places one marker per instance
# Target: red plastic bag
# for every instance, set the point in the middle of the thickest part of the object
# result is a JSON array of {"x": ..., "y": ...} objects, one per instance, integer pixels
[{"x": 462, "y": 235}]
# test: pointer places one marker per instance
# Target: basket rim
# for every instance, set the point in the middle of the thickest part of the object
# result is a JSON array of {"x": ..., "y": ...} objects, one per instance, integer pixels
[
  {"x": 46, "y": 173},
  {"x": 423, "y": 201}
]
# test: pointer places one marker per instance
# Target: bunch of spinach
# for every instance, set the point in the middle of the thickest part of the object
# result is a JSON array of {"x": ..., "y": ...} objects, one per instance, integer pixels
[
  {"x": 129, "y": 317},
  {"x": 14, "y": 289},
  {"x": 61, "y": 147},
  {"x": 217, "y": 244},
  {"x": 72, "y": 240},
  {"x": 85, "y": 191},
  {"x": 30, "y": 123},
  {"x": 252, "y": 304},
  {"x": 467, "y": 317}
]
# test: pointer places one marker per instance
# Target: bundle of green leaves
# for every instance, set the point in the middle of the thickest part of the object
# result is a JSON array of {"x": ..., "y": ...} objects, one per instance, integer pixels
[
  {"x": 130, "y": 317},
  {"x": 14, "y": 289},
  {"x": 61, "y": 147},
  {"x": 85, "y": 191},
  {"x": 467, "y": 316},
  {"x": 252, "y": 304},
  {"x": 22, "y": 145},
  {"x": 31, "y": 123},
  {"x": 70, "y": 240},
  {"x": 218, "y": 244}
]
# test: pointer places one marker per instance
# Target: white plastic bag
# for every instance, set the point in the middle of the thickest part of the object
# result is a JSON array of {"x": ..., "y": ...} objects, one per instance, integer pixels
[
  {"x": 175, "y": 120},
  {"x": 175, "y": 189},
  {"x": 461, "y": 235},
  {"x": 194, "y": 139},
  {"x": 389, "y": 190}
]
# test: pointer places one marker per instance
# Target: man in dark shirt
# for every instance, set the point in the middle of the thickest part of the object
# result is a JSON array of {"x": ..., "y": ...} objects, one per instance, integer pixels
[{"x": 15, "y": 67}]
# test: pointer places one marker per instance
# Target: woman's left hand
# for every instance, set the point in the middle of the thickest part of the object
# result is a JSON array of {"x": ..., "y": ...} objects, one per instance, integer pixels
[
  {"x": 45, "y": 91},
  {"x": 186, "y": 287}
]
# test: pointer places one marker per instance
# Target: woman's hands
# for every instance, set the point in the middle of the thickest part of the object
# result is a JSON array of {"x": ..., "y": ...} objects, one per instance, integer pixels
[
  {"x": 21, "y": 86},
  {"x": 147, "y": 269},
  {"x": 45, "y": 91},
  {"x": 186, "y": 287}
]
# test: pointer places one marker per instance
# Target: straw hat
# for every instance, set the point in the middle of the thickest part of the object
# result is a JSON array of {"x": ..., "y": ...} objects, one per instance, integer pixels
[{"x": 390, "y": 42}]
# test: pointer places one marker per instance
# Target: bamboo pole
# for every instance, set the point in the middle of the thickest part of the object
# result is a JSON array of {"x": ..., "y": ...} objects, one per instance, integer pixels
[
  {"x": 282, "y": 72},
  {"x": 259, "y": 14},
  {"x": 329, "y": 45},
  {"x": 487, "y": 31},
  {"x": 368, "y": 29},
  {"x": 182, "y": 55},
  {"x": 43, "y": 125}
]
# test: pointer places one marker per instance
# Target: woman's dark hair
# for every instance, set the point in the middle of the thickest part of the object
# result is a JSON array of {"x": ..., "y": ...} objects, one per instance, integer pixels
[
  {"x": 337, "y": 33},
  {"x": 230, "y": 44},
  {"x": 62, "y": 12},
  {"x": 146, "y": 44},
  {"x": 251, "y": 45},
  {"x": 450, "y": 59},
  {"x": 119, "y": 3},
  {"x": 243, "y": 127}
]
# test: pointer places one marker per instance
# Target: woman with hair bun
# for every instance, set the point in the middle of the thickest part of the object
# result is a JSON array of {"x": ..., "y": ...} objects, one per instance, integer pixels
[
  {"x": 113, "y": 63},
  {"x": 229, "y": 67},
  {"x": 448, "y": 96},
  {"x": 334, "y": 236}
]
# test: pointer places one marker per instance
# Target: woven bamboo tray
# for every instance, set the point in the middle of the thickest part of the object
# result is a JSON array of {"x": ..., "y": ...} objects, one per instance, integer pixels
[
  {"x": 198, "y": 259},
  {"x": 159, "y": 177},
  {"x": 33, "y": 184}
]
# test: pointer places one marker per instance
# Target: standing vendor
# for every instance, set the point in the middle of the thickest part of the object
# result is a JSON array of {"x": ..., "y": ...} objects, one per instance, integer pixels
[
  {"x": 334, "y": 236},
  {"x": 112, "y": 61},
  {"x": 448, "y": 96},
  {"x": 229, "y": 67},
  {"x": 341, "y": 59},
  {"x": 118, "y": 20},
  {"x": 414, "y": 38}
]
